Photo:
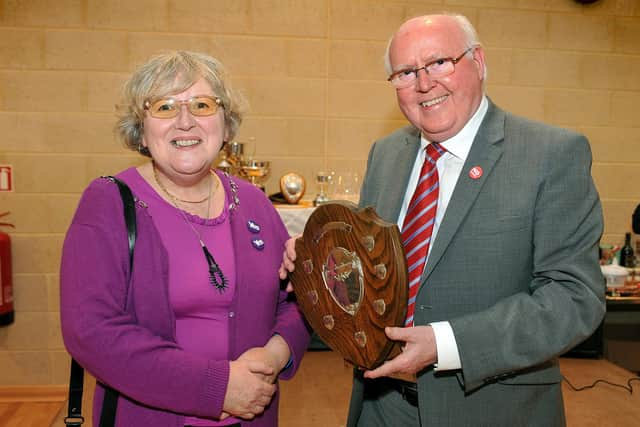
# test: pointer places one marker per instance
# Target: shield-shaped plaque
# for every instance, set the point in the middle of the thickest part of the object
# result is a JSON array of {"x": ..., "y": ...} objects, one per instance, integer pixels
[
  {"x": 292, "y": 186},
  {"x": 350, "y": 280}
]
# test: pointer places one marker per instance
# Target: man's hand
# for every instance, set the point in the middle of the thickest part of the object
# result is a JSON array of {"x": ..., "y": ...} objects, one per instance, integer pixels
[
  {"x": 288, "y": 257},
  {"x": 247, "y": 392},
  {"x": 418, "y": 352}
]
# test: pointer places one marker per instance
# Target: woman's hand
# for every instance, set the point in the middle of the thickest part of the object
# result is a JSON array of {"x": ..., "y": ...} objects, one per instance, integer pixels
[
  {"x": 288, "y": 257},
  {"x": 275, "y": 354},
  {"x": 260, "y": 354},
  {"x": 247, "y": 392}
]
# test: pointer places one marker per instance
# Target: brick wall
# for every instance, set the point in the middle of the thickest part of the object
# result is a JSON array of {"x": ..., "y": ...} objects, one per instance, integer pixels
[{"x": 312, "y": 71}]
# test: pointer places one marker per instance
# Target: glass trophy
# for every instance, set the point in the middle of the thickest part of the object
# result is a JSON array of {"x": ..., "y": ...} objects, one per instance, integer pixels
[
  {"x": 255, "y": 171},
  {"x": 323, "y": 179}
]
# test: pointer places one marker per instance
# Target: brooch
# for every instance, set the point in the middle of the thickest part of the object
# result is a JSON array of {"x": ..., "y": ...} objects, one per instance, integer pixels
[{"x": 258, "y": 243}]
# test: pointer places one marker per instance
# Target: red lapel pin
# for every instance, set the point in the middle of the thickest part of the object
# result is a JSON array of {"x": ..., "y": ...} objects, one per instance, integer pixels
[{"x": 475, "y": 172}]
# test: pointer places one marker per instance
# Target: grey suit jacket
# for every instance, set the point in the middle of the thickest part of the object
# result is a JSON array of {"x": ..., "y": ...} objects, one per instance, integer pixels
[{"x": 514, "y": 269}]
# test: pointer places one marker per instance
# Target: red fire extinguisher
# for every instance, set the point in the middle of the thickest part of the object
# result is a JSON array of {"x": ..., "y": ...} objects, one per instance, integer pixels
[{"x": 6, "y": 284}]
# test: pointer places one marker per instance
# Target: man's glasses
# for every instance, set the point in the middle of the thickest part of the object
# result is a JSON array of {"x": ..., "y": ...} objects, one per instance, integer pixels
[
  {"x": 435, "y": 69},
  {"x": 168, "y": 108}
]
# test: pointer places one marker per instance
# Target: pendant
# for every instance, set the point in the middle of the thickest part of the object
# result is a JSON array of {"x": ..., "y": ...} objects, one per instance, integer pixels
[{"x": 216, "y": 277}]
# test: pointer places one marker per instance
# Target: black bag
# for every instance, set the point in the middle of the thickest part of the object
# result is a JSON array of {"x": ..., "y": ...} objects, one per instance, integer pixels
[
  {"x": 635, "y": 220},
  {"x": 74, "y": 416}
]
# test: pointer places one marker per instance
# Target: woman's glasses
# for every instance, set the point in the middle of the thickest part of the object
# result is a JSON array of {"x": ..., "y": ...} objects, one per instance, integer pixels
[{"x": 168, "y": 108}]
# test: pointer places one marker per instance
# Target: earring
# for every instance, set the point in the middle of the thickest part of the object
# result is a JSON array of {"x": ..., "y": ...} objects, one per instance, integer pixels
[{"x": 143, "y": 150}]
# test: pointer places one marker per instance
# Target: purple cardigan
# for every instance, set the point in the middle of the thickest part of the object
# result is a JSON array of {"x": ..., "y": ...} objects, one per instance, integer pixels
[{"x": 124, "y": 333}]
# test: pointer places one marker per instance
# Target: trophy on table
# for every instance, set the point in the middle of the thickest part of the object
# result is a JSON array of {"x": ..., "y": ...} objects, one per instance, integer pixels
[
  {"x": 255, "y": 171},
  {"x": 322, "y": 179},
  {"x": 231, "y": 158},
  {"x": 292, "y": 187}
]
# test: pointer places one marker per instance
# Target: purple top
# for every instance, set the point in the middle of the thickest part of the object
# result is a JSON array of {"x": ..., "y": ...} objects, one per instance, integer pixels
[
  {"x": 201, "y": 311},
  {"x": 129, "y": 335}
]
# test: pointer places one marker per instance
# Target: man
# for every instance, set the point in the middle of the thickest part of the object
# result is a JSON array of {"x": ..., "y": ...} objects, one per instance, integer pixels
[{"x": 512, "y": 277}]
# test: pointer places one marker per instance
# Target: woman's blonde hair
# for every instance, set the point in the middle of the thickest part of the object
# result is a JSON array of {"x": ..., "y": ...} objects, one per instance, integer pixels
[{"x": 168, "y": 74}]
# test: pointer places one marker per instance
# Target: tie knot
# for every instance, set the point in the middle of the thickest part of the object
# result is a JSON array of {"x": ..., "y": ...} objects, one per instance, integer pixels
[{"x": 434, "y": 151}]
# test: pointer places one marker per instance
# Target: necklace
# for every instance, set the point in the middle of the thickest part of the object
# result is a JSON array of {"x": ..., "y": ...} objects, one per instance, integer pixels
[
  {"x": 195, "y": 202},
  {"x": 176, "y": 198},
  {"x": 216, "y": 277}
]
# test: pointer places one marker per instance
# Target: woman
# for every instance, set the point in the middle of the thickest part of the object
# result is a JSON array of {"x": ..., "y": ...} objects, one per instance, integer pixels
[{"x": 201, "y": 330}]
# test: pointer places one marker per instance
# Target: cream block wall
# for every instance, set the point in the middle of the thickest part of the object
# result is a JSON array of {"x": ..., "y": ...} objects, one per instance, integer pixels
[{"x": 312, "y": 73}]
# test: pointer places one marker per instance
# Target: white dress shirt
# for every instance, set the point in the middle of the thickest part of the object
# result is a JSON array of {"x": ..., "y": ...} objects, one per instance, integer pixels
[{"x": 449, "y": 167}]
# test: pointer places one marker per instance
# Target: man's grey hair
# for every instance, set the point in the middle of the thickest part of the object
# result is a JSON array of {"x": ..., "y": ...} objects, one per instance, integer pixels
[{"x": 470, "y": 35}]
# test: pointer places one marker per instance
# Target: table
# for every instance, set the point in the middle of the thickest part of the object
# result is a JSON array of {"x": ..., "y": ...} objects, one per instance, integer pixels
[
  {"x": 622, "y": 331},
  {"x": 618, "y": 336},
  {"x": 295, "y": 217},
  {"x": 623, "y": 310}
]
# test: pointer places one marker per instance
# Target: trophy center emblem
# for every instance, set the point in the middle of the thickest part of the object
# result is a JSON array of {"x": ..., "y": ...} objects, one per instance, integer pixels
[{"x": 342, "y": 275}]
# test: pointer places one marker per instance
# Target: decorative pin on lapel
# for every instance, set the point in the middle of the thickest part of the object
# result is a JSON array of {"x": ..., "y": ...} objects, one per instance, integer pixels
[
  {"x": 258, "y": 243},
  {"x": 253, "y": 226},
  {"x": 475, "y": 172}
]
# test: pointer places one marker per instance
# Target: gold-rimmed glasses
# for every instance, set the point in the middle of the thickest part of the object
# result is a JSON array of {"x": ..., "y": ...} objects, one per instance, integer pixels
[
  {"x": 168, "y": 108},
  {"x": 436, "y": 69}
]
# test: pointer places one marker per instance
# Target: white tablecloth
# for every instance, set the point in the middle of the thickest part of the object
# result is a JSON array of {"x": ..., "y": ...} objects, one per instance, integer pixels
[{"x": 294, "y": 217}]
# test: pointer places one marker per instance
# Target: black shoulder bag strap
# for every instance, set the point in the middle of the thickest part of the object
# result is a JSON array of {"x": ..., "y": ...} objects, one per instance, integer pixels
[{"x": 74, "y": 416}]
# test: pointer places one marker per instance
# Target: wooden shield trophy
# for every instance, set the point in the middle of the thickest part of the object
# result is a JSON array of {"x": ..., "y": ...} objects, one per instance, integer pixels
[{"x": 350, "y": 280}]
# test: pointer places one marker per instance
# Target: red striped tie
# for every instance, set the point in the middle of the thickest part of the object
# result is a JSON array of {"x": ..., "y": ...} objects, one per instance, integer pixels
[{"x": 418, "y": 224}]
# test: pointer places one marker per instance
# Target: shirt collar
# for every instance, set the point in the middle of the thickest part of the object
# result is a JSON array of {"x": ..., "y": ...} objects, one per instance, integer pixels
[{"x": 459, "y": 145}]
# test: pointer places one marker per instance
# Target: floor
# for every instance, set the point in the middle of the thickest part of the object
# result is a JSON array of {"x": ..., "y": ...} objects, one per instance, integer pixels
[
  {"x": 28, "y": 414},
  {"x": 323, "y": 379},
  {"x": 30, "y": 406},
  {"x": 319, "y": 395}
]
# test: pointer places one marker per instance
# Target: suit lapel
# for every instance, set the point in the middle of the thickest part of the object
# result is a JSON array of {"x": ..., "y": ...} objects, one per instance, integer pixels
[
  {"x": 397, "y": 184},
  {"x": 485, "y": 152}
]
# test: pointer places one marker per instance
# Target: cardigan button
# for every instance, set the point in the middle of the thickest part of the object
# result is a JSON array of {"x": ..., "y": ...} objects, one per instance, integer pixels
[{"x": 232, "y": 314}]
